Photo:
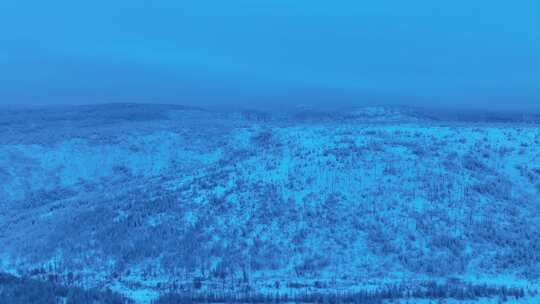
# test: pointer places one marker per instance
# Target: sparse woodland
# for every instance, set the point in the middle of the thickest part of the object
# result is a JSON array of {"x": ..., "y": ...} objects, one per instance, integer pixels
[{"x": 192, "y": 206}]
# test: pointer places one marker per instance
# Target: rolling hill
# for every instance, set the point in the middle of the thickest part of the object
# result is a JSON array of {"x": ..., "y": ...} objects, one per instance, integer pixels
[{"x": 149, "y": 199}]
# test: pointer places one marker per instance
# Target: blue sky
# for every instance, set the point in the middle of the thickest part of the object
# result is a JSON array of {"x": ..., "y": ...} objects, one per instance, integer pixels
[{"x": 482, "y": 54}]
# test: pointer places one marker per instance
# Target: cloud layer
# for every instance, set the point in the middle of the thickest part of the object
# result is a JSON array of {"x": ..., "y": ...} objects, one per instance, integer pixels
[{"x": 457, "y": 54}]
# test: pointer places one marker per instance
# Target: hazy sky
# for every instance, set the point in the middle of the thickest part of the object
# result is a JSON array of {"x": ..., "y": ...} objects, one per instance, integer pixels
[{"x": 454, "y": 53}]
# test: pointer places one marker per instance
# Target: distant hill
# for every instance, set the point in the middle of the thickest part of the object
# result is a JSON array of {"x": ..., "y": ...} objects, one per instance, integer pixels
[{"x": 146, "y": 199}]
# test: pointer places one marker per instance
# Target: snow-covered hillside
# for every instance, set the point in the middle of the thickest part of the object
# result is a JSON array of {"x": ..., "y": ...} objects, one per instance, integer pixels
[{"x": 147, "y": 199}]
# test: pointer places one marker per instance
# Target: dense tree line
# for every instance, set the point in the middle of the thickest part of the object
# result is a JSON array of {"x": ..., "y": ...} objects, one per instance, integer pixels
[
  {"x": 429, "y": 291},
  {"x": 15, "y": 290}
]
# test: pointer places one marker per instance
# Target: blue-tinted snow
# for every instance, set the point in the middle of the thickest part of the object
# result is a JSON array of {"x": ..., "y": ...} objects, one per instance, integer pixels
[{"x": 350, "y": 200}]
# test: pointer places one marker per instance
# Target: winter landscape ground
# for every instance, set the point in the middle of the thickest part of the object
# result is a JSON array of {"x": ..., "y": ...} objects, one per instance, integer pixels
[{"x": 167, "y": 204}]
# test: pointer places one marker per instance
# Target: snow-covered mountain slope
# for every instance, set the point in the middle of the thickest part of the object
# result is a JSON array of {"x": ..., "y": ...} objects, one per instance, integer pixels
[{"x": 142, "y": 199}]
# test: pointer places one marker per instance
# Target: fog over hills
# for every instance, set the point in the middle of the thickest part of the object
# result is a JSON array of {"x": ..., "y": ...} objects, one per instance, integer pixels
[{"x": 481, "y": 55}]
